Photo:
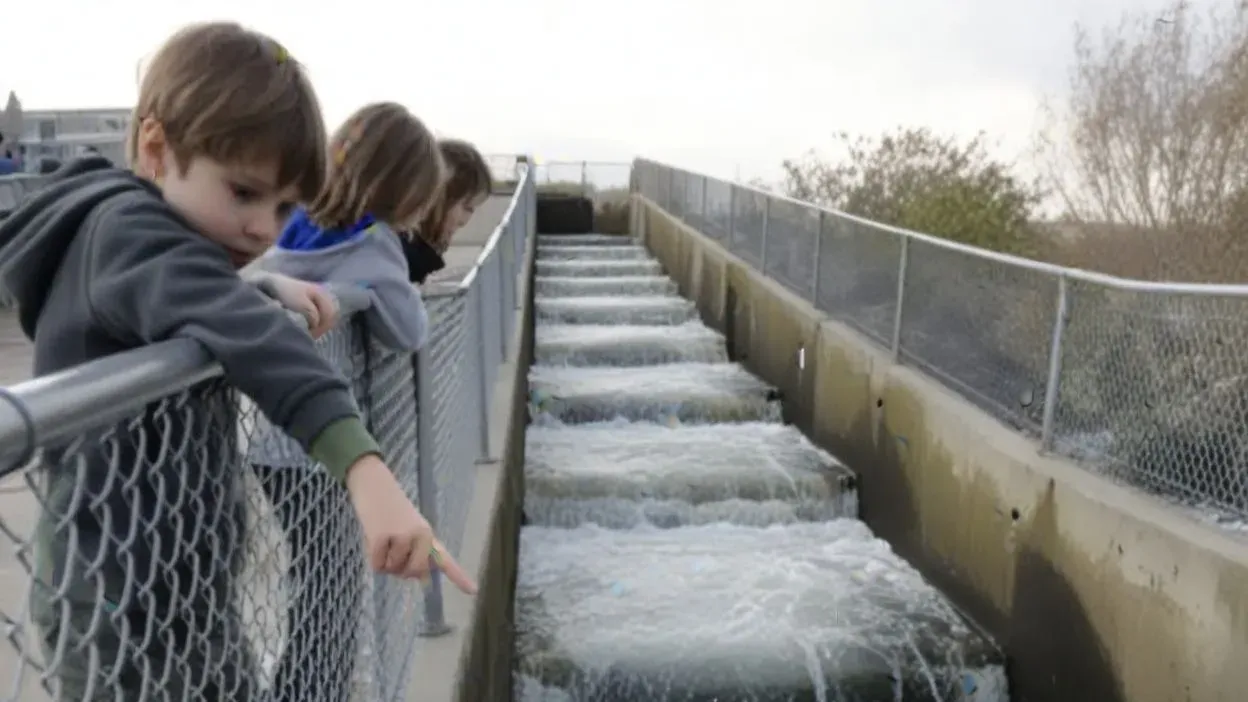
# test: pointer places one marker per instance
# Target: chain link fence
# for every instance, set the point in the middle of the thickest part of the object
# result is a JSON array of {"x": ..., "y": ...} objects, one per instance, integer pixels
[
  {"x": 1145, "y": 382},
  {"x": 16, "y": 187},
  {"x": 161, "y": 540}
]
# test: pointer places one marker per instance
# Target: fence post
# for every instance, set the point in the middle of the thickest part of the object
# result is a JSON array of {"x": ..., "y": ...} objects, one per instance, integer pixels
[
  {"x": 483, "y": 390},
  {"x": 584, "y": 179},
  {"x": 1053, "y": 383},
  {"x": 766, "y": 230},
  {"x": 814, "y": 284},
  {"x": 434, "y": 621},
  {"x": 502, "y": 309},
  {"x": 731, "y": 236},
  {"x": 702, "y": 218},
  {"x": 519, "y": 220},
  {"x": 903, "y": 266}
]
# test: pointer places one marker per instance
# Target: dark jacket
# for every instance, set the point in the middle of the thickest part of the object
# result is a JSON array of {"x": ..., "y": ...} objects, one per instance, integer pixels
[
  {"x": 422, "y": 259},
  {"x": 99, "y": 263}
]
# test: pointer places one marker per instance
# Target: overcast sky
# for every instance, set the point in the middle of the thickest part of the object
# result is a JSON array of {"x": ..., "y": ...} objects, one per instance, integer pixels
[{"x": 721, "y": 86}]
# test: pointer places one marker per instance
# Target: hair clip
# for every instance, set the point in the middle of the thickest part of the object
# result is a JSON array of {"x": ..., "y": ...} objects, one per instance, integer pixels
[
  {"x": 280, "y": 53},
  {"x": 354, "y": 134}
]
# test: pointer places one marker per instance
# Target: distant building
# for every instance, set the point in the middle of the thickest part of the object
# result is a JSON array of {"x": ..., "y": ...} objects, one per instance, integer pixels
[{"x": 65, "y": 134}]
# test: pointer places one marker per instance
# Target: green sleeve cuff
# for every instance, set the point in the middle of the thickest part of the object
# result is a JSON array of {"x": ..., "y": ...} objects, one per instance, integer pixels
[{"x": 341, "y": 444}]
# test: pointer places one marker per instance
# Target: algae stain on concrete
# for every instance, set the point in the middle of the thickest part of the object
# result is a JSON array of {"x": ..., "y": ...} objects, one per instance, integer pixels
[
  {"x": 958, "y": 530},
  {"x": 1232, "y": 599},
  {"x": 1047, "y": 666},
  {"x": 842, "y": 396}
]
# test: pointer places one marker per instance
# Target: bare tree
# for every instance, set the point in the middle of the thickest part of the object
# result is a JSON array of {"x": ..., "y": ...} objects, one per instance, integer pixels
[{"x": 1153, "y": 141}]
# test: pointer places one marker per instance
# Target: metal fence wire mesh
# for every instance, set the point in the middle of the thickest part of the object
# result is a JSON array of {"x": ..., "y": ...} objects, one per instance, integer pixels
[
  {"x": 1148, "y": 383},
  {"x": 192, "y": 551}
]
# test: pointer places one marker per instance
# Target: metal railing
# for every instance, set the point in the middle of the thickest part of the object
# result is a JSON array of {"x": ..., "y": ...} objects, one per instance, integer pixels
[
  {"x": 15, "y": 187},
  {"x": 230, "y": 566},
  {"x": 1144, "y": 381},
  {"x": 589, "y": 178}
]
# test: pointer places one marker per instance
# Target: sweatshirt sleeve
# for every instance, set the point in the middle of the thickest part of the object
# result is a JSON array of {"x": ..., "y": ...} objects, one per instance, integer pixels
[
  {"x": 150, "y": 278},
  {"x": 397, "y": 316},
  {"x": 262, "y": 280}
]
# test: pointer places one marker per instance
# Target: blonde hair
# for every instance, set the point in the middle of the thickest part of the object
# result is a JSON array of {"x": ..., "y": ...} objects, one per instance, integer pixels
[
  {"x": 235, "y": 96},
  {"x": 468, "y": 178},
  {"x": 383, "y": 162}
]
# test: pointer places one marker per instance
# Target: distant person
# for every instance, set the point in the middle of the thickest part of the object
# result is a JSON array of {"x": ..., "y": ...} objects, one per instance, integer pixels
[
  {"x": 8, "y": 165},
  {"x": 467, "y": 187},
  {"x": 48, "y": 165},
  {"x": 141, "y": 530},
  {"x": 384, "y": 177}
]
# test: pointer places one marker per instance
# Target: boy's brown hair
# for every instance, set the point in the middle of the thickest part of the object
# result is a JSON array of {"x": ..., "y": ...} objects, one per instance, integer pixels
[
  {"x": 235, "y": 96},
  {"x": 468, "y": 177},
  {"x": 383, "y": 162}
]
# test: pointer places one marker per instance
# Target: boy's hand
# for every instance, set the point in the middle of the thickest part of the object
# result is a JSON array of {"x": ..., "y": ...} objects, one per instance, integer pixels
[
  {"x": 398, "y": 539},
  {"x": 308, "y": 299}
]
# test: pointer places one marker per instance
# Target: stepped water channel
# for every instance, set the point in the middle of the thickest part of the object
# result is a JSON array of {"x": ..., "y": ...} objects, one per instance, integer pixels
[{"x": 681, "y": 544}]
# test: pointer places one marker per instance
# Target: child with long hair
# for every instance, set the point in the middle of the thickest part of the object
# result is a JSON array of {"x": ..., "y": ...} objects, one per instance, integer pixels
[
  {"x": 467, "y": 186},
  {"x": 385, "y": 176}
]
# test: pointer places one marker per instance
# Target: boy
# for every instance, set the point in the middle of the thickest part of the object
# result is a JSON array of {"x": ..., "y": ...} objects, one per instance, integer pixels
[{"x": 144, "y": 521}]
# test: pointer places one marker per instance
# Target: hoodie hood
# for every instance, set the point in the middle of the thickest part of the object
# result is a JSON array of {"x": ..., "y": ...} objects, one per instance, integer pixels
[
  {"x": 302, "y": 234},
  {"x": 422, "y": 259},
  {"x": 35, "y": 237}
]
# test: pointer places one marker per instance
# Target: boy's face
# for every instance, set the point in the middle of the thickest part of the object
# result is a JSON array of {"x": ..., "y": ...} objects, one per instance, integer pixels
[{"x": 238, "y": 207}]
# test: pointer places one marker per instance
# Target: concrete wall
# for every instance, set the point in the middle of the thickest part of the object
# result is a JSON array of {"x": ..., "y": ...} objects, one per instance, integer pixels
[
  {"x": 481, "y": 670},
  {"x": 1098, "y": 593}
]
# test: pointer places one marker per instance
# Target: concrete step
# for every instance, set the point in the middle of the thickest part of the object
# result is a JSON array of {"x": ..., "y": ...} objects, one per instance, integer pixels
[
  {"x": 808, "y": 611},
  {"x": 585, "y": 240},
  {"x": 592, "y": 253},
  {"x": 624, "y": 474},
  {"x": 647, "y": 310},
  {"x": 597, "y": 287},
  {"x": 627, "y": 344},
  {"x": 582, "y": 268},
  {"x": 673, "y": 393}
]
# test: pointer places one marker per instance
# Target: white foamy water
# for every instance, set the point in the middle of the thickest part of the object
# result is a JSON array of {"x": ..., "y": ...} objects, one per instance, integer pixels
[
  {"x": 692, "y": 463},
  {"x": 581, "y": 268},
  {"x": 615, "y": 513},
  {"x": 632, "y": 251},
  {"x": 627, "y": 344},
  {"x": 621, "y": 285},
  {"x": 811, "y": 611},
  {"x": 584, "y": 240},
  {"x": 670, "y": 393},
  {"x": 654, "y": 309},
  {"x": 623, "y": 475},
  {"x": 681, "y": 545}
]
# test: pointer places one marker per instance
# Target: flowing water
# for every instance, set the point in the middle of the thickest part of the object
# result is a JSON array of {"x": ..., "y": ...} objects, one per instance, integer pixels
[{"x": 681, "y": 544}]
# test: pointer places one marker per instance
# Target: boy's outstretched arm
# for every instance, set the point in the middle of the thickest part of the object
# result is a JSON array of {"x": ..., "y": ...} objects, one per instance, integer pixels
[
  {"x": 397, "y": 315},
  {"x": 151, "y": 278}
]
